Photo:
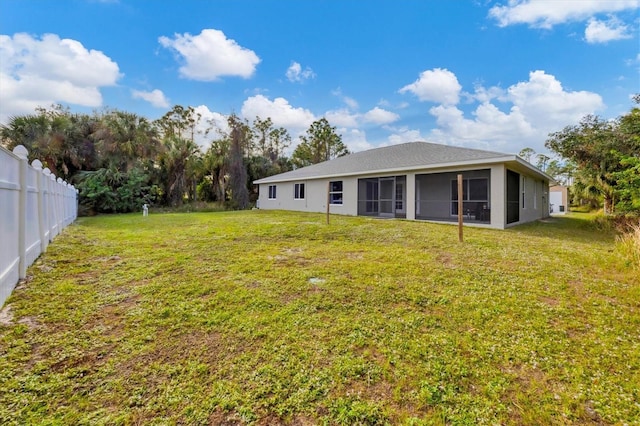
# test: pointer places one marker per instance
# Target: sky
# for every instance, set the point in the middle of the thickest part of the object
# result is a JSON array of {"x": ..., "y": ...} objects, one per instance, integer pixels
[{"x": 489, "y": 74}]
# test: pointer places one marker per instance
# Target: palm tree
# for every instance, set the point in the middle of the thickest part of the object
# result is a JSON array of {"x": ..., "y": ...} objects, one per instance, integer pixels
[
  {"x": 46, "y": 136},
  {"x": 125, "y": 139},
  {"x": 215, "y": 162},
  {"x": 175, "y": 162}
]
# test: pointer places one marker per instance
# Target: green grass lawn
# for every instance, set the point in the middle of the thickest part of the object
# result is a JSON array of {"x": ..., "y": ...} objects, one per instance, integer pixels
[{"x": 264, "y": 318}]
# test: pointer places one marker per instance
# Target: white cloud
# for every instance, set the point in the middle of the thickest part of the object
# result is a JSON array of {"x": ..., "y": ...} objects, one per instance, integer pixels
[
  {"x": 342, "y": 118},
  {"x": 211, "y": 55},
  {"x": 545, "y": 14},
  {"x": 483, "y": 94},
  {"x": 538, "y": 106},
  {"x": 280, "y": 111},
  {"x": 403, "y": 134},
  {"x": 490, "y": 124},
  {"x": 542, "y": 99},
  {"x": 350, "y": 102},
  {"x": 210, "y": 126},
  {"x": 40, "y": 72},
  {"x": 346, "y": 118},
  {"x": 437, "y": 85},
  {"x": 603, "y": 32},
  {"x": 380, "y": 116},
  {"x": 295, "y": 73},
  {"x": 355, "y": 139},
  {"x": 154, "y": 97}
]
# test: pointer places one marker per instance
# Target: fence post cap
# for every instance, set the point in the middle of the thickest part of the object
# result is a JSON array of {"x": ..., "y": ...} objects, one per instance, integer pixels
[
  {"x": 53, "y": 177},
  {"x": 36, "y": 164},
  {"x": 46, "y": 171},
  {"x": 21, "y": 152},
  {"x": 59, "y": 180}
]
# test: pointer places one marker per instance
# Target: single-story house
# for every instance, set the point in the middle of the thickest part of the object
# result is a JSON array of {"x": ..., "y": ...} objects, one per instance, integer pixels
[
  {"x": 558, "y": 199},
  {"x": 415, "y": 181}
]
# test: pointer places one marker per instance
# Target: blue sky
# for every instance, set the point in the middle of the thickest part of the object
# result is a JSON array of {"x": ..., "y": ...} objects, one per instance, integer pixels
[{"x": 496, "y": 75}]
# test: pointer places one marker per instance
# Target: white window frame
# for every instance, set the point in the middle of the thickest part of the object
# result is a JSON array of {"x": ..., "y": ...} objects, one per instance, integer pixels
[
  {"x": 272, "y": 192},
  {"x": 524, "y": 192},
  {"x": 332, "y": 193},
  {"x": 297, "y": 189}
]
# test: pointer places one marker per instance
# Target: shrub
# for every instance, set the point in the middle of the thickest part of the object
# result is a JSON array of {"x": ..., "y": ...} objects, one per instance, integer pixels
[{"x": 113, "y": 191}]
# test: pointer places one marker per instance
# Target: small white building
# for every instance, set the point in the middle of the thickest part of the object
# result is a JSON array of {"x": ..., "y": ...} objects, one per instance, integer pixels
[
  {"x": 558, "y": 199},
  {"x": 415, "y": 181}
]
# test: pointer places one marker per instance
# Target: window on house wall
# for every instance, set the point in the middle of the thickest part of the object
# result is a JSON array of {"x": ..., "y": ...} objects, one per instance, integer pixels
[
  {"x": 272, "y": 192},
  {"x": 335, "y": 192},
  {"x": 524, "y": 186},
  {"x": 298, "y": 191}
]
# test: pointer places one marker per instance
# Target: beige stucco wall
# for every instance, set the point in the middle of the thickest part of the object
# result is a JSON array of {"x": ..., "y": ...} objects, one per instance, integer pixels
[
  {"x": 315, "y": 199},
  {"x": 498, "y": 196}
]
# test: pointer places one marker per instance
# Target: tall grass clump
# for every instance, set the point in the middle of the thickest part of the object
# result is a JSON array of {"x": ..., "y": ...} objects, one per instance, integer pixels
[{"x": 629, "y": 245}]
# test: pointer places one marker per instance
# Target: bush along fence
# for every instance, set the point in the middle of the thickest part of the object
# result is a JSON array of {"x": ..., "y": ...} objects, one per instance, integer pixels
[{"x": 34, "y": 208}]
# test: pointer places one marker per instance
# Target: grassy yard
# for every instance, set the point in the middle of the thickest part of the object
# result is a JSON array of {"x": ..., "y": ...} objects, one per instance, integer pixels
[{"x": 263, "y": 318}]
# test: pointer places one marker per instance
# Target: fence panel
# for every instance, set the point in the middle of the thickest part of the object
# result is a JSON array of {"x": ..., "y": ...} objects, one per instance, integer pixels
[
  {"x": 34, "y": 208},
  {"x": 32, "y": 228},
  {"x": 9, "y": 211}
]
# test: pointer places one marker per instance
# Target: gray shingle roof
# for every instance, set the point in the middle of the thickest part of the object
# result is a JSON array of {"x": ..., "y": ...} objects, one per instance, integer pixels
[{"x": 406, "y": 156}]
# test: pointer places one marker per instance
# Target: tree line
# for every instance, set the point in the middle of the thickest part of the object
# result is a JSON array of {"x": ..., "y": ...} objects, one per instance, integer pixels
[
  {"x": 599, "y": 160},
  {"x": 120, "y": 160}
]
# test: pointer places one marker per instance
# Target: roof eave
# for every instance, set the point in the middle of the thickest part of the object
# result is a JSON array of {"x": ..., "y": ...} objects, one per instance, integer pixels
[{"x": 532, "y": 168}]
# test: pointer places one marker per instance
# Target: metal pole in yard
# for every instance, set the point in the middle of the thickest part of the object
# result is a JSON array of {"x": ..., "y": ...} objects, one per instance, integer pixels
[{"x": 460, "y": 193}]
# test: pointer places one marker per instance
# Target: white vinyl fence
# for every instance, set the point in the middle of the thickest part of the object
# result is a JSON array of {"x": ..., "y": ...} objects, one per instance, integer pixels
[{"x": 34, "y": 208}]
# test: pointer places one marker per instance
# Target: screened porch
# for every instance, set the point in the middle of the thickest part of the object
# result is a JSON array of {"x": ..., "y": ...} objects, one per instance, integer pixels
[
  {"x": 437, "y": 196},
  {"x": 382, "y": 197}
]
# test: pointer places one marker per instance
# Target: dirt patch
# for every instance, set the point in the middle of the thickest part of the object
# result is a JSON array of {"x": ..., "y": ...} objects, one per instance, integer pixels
[
  {"x": 45, "y": 267},
  {"x": 354, "y": 255},
  {"x": 293, "y": 256},
  {"x": 292, "y": 251},
  {"x": 548, "y": 220},
  {"x": 206, "y": 347},
  {"x": 109, "y": 259},
  {"x": 446, "y": 260},
  {"x": 577, "y": 285},
  {"x": 6, "y": 316},
  {"x": 29, "y": 322},
  {"x": 549, "y": 301},
  {"x": 222, "y": 418}
]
